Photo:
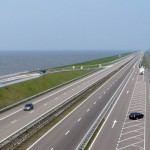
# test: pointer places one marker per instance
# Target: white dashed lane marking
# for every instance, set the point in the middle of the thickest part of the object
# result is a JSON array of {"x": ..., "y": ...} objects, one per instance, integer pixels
[
  {"x": 79, "y": 119},
  {"x": 67, "y": 132},
  {"x": 14, "y": 121}
]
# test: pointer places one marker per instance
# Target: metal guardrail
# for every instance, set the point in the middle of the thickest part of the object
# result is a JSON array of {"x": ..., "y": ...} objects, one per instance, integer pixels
[
  {"x": 56, "y": 111},
  {"x": 44, "y": 92},
  {"x": 96, "y": 124}
]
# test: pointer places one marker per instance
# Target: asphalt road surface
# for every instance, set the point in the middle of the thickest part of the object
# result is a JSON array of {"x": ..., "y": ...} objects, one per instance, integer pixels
[
  {"x": 15, "y": 119},
  {"x": 118, "y": 131},
  {"x": 18, "y": 77},
  {"x": 68, "y": 133}
]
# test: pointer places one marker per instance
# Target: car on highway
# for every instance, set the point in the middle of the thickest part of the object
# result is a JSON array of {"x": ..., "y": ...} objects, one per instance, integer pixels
[
  {"x": 28, "y": 107},
  {"x": 136, "y": 115}
]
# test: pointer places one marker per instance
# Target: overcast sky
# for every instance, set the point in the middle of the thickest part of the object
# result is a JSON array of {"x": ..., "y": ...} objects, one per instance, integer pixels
[{"x": 74, "y": 24}]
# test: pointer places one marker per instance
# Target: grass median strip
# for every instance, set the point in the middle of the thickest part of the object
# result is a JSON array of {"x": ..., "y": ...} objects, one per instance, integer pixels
[
  {"x": 94, "y": 135},
  {"x": 145, "y": 60}
]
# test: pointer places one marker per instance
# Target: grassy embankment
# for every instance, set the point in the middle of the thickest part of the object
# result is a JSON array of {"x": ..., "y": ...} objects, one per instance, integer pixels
[
  {"x": 16, "y": 92},
  {"x": 145, "y": 61},
  {"x": 96, "y": 62},
  {"x": 13, "y": 93}
]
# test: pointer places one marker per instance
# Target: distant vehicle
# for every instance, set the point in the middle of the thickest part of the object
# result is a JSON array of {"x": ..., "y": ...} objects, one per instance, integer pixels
[
  {"x": 42, "y": 71},
  {"x": 136, "y": 115},
  {"x": 28, "y": 107},
  {"x": 141, "y": 70}
]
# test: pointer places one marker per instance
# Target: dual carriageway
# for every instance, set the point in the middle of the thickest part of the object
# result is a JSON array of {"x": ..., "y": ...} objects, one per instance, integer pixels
[{"x": 70, "y": 131}]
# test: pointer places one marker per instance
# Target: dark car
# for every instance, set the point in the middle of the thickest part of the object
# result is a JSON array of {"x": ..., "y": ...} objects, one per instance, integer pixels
[
  {"x": 28, "y": 107},
  {"x": 136, "y": 115}
]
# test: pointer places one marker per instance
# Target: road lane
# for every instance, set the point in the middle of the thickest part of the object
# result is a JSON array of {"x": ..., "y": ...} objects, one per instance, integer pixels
[
  {"x": 123, "y": 135},
  {"x": 55, "y": 138},
  {"x": 24, "y": 117}
]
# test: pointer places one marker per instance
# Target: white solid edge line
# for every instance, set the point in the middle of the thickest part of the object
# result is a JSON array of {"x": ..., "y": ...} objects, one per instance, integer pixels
[
  {"x": 71, "y": 112},
  {"x": 109, "y": 113}
]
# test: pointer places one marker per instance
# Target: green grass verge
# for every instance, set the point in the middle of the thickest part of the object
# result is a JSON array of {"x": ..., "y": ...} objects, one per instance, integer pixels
[
  {"x": 94, "y": 135},
  {"x": 16, "y": 92},
  {"x": 144, "y": 62},
  {"x": 98, "y": 61}
]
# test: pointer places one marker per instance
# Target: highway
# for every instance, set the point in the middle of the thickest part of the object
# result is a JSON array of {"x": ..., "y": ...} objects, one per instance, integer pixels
[
  {"x": 67, "y": 134},
  {"x": 120, "y": 133},
  {"x": 15, "y": 119}
]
